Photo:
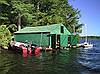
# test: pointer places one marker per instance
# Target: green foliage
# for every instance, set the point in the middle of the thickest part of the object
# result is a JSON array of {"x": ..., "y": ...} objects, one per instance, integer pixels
[
  {"x": 12, "y": 28},
  {"x": 78, "y": 28},
  {"x": 27, "y": 19},
  {"x": 3, "y": 12},
  {"x": 3, "y": 2},
  {"x": 20, "y": 7},
  {"x": 5, "y": 35},
  {"x": 26, "y": 11},
  {"x": 39, "y": 12},
  {"x": 55, "y": 11}
]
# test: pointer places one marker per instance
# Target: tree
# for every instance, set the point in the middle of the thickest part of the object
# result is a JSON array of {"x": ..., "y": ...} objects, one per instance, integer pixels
[
  {"x": 3, "y": 12},
  {"x": 78, "y": 28},
  {"x": 12, "y": 28},
  {"x": 5, "y": 35},
  {"x": 25, "y": 11},
  {"x": 55, "y": 11}
]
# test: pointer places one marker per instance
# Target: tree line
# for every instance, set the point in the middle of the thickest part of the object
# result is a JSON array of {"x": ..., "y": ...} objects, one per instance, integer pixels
[{"x": 91, "y": 37}]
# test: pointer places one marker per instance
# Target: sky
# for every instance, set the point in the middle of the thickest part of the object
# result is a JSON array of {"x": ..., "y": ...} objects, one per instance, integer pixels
[{"x": 90, "y": 15}]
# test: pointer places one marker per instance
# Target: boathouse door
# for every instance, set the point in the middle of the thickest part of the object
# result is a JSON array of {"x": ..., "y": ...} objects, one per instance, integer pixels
[
  {"x": 58, "y": 42},
  {"x": 69, "y": 39},
  {"x": 53, "y": 41}
]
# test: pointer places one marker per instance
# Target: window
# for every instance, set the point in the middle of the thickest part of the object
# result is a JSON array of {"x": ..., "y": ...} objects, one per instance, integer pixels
[{"x": 62, "y": 29}]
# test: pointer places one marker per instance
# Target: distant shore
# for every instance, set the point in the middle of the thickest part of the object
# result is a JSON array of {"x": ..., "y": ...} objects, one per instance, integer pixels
[{"x": 90, "y": 37}]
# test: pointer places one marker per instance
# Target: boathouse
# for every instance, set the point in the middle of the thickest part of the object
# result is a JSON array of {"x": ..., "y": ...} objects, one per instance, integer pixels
[{"x": 55, "y": 35}]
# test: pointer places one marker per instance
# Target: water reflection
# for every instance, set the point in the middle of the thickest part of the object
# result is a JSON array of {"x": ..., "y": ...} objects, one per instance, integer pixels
[
  {"x": 65, "y": 61},
  {"x": 62, "y": 62},
  {"x": 6, "y": 62}
]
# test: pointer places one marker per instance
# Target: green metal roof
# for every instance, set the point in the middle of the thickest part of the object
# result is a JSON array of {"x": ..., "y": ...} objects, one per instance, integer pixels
[{"x": 53, "y": 29}]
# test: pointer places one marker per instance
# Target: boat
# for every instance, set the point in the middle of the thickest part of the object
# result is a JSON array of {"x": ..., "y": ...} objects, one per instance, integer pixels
[{"x": 86, "y": 44}]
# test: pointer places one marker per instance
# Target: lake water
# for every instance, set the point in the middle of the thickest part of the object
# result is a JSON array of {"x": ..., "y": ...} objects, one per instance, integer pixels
[{"x": 67, "y": 61}]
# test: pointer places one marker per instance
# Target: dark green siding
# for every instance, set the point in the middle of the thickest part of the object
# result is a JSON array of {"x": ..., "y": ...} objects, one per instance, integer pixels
[
  {"x": 63, "y": 40},
  {"x": 74, "y": 39},
  {"x": 38, "y": 39}
]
